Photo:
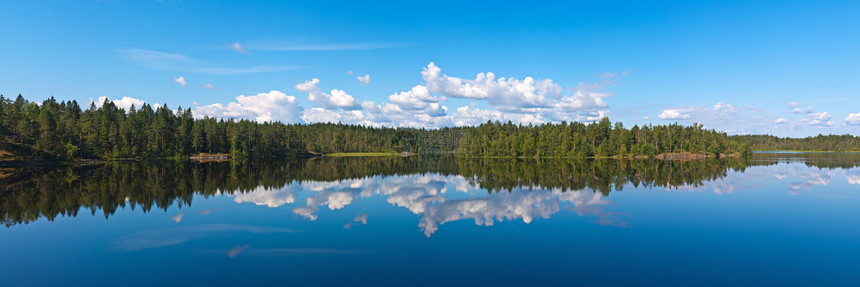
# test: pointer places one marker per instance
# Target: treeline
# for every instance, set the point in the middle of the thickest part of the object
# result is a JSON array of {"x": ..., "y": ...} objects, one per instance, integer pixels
[
  {"x": 816, "y": 143},
  {"x": 65, "y": 131},
  {"x": 599, "y": 139}
]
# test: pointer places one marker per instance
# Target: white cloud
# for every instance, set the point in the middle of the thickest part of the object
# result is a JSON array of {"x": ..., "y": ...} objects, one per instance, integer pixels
[
  {"x": 364, "y": 79},
  {"x": 264, "y": 107},
  {"x": 337, "y": 98},
  {"x": 177, "y": 218},
  {"x": 418, "y": 98},
  {"x": 238, "y": 48},
  {"x": 673, "y": 114},
  {"x": 725, "y": 108},
  {"x": 798, "y": 110},
  {"x": 818, "y": 119},
  {"x": 780, "y": 120},
  {"x": 180, "y": 81},
  {"x": 505, "y": 93},
  {"x": 208, "y": 86},
  {"x": 424, "y": 105},
  {"x": 124, "y": 103},
  {"x": 853, "y": 119},
  {"x": 321, "y": 115}
]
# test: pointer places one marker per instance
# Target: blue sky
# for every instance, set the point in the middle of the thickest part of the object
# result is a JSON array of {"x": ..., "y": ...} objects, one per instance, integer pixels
[{"x": 788, "y": 68}]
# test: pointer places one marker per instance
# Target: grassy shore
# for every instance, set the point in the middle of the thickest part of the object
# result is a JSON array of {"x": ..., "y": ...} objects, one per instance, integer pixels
[{"x": 361, "y": 154}]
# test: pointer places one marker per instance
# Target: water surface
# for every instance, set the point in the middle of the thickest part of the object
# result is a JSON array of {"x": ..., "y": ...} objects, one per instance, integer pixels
[{"x": 774, "y": 219}]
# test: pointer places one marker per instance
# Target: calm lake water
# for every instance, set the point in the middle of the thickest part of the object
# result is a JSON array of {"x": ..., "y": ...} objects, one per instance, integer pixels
[{"x": 773, "y": 219}]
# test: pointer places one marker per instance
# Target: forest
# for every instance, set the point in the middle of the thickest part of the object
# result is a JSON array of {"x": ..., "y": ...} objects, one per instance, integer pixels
[
  {"x": 599, "y": 139},
  {"x": 816, "y": 143},
  {"x": 65, "y": 131}
]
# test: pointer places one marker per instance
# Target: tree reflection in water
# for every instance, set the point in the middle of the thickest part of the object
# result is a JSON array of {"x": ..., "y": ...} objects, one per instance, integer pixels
[{"x": 501, "y": 189}]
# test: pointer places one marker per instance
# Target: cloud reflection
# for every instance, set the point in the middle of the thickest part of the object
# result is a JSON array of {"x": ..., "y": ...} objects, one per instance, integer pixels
[
  {"x": 853, "y": 176},
  {"x": 177, "y": 235},
  {"x": 177, "y": 218},
  {"x": 427, "y": 195}
]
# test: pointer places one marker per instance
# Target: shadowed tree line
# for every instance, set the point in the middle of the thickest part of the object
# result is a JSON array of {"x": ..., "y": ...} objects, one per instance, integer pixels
[
  {"x": 821, "y": 160},
  {"x": 62, "y": 130},
  {"x": 816, "y": 143},
  {"x": 29, "y": 194},
  {"x": 598, "y": 139}
]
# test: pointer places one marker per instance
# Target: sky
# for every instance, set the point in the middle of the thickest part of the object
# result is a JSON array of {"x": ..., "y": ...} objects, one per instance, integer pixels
[{"x": 787, "y": 68}]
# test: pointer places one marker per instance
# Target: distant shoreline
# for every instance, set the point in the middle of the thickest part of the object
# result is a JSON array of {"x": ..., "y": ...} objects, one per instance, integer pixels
[{"x": 803, "y": 151}]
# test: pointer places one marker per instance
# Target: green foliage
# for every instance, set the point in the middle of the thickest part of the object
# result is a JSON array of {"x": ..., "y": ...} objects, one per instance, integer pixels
[
  {"x": 816, "y": 143},
  {"x": 64, "y": 130},
  {"x": 598, "y": 139}
]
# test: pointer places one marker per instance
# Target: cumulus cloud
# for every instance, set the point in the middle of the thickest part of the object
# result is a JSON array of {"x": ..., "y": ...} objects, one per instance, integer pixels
[
  {"x": 264, "y": 107},
  {"x": 501, "y": 92},
  {"x": 853, "y": 119},
  {"x": 336, "y": 99},
  {"x": 418, "y": 98},
  {"x": 364, "y": 79},
  {"x": 208, "y": 86},
  {"x": 180, "y": 81},
  {"x": 238, "y": 48},
  {"x": 725, "y": 108},
  {"x": 818, "y": 119},
  {"x": 424, "y": 105},
  {"x": 780, "y": 120},
  {"x": 673, "y": 114},
  {"x": 798, "y": 110},
  {"x": 124, "y": 103}
]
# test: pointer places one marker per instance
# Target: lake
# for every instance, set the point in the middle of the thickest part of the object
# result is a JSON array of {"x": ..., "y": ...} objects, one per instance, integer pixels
[{"x": 778, "y": 219}]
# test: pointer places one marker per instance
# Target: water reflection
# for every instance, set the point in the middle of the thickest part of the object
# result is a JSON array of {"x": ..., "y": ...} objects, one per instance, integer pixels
[{"x": 437, "y": 190}]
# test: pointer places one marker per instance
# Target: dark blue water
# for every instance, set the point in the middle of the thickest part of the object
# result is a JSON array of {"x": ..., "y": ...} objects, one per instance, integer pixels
[{"x": 776, "y": 220}]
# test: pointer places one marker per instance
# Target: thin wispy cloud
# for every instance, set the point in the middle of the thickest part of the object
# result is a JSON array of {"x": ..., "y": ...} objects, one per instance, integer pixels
[
  {"x": 330, "y": 47},
  {"x": 157, "y": 238},
  {"x": 159, "y": 60},
  {"x": 238, "y": 48}
]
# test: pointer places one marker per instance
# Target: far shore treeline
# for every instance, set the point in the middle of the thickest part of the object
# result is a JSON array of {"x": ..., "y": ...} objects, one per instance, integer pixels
[{"x": 62, "y": 130}]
